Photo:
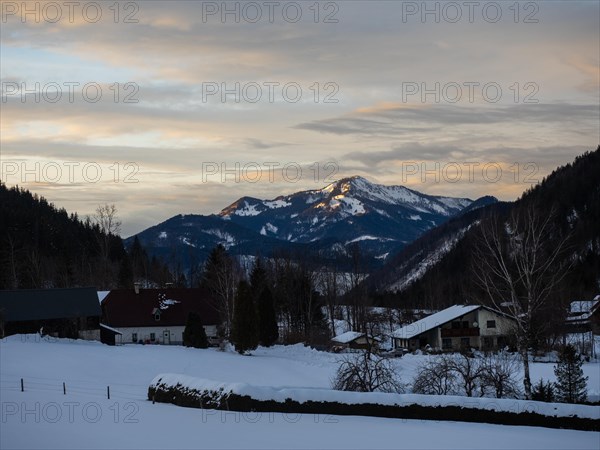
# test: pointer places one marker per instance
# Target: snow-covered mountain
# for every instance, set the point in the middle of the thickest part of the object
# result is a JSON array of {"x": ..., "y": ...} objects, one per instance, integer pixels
[{"x": 380, "y": 219}]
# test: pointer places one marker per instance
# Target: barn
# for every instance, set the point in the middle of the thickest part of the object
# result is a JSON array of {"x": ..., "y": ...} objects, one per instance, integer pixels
[{"x": 66, "y": 313}]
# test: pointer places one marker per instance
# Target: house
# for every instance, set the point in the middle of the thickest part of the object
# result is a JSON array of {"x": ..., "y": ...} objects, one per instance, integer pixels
[
  {"x": 457, "y": 327},
  {"x": 158, "y": 316},
  {"x": 66, "y": 313},
  {"x": 354, "y": 340},
  {"x": 582, "y": 323},
  {"x": 584, "y": 316}
]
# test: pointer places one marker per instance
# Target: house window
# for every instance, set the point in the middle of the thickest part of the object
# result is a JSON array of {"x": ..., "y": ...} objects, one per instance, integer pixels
[
  {"x": 491, "y": 324},
  {"x": 465, "y": 324},
  {"x": 152, "y": 336},
  {"x": 447, "y": 344},
  {"x": 455, "y": 325},
  {"x": 157, "y": 317},
  {"x": 134, "y": 337},
  {"x": 465, "y": 342}
]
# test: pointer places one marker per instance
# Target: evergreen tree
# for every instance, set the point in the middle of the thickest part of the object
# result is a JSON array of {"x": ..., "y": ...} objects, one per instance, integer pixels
[
  {"x": 571, "y": 384},
  {"x": 543, "y": 392},
  {"x": 258, "y": 276},
  {"x": 244, "y": 333},
  {"x": 194, "y": 334},
  {"x": 139, "y": 260},
  {"x": 125, "y": 273},
  {"x": 268, "y": 330}
]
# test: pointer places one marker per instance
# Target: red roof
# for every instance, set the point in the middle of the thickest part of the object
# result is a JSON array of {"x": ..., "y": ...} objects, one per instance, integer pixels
[{"x": 125, "y": 308}]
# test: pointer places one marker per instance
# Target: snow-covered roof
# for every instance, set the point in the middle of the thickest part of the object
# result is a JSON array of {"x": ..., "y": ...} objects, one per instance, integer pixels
[
  {"x": 582, "y": 306},
  {"x": 435, "y": 320},
  {"x": 114, "y": 330},
  {"x": 347, "y": 337},
  {"x": 102, "y": 295},
  {"x": 164, "y": 304},
  {"x": 581, "y": 310}
]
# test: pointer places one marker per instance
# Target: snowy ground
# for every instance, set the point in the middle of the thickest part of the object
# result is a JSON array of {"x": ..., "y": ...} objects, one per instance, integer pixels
[{"x": 42, "y": 417}]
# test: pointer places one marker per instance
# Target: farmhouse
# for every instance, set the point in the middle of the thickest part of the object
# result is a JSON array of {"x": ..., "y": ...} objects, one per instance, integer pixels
[
  {"x": 457, "y": 327},
  {"x": 158, "y": 316},
  {"x": 67, "y": 313},
  {"x": 354, "y": 340}
]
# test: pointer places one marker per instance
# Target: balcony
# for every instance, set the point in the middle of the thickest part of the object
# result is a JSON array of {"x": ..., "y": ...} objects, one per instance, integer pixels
[{"x": 459, "y": 332}]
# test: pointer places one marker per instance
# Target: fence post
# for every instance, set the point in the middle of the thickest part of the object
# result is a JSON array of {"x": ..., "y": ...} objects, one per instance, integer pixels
[
  {"x": 64, "y": 388},
  {"x": 22, "y": 386},
  {"x": 108, "y": 391}
]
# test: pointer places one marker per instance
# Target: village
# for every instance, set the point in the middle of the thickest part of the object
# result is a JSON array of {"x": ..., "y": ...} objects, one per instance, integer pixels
[
  {"x": 132, "y": 342},
  {"x": 159, "y": 316}
]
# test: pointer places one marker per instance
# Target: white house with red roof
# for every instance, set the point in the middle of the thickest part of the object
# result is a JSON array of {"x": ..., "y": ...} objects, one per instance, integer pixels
[{"x": 158, "y": 316}]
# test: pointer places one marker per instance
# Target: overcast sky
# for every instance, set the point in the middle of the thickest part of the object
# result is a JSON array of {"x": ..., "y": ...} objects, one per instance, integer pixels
[{"x": 502, "y": 93}]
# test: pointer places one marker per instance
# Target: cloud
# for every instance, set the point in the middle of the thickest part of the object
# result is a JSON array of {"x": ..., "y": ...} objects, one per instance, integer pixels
[
  {"x": 545, "y": 157},
  {"x": 387, "y": 120},
  {"x": 367, "y": 54}
]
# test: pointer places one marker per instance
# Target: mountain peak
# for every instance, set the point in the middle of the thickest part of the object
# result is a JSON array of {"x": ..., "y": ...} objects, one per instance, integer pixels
[{"x": 346, "y": 180}]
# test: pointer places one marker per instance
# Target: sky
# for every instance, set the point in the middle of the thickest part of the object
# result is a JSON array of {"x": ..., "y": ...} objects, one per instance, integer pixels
[{"x": 168, "y": 107}]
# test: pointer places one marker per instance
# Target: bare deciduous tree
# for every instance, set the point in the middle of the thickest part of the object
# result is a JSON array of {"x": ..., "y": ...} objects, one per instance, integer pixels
[
  {"x": 365, "y": 372},
  {"x": 461, "y": 374},
  {"x": 518, "y": 264},
  {"x": 105, "y": 218},
  {"x": 499, "y": 374},
  {"x": 469, "y": 372},
  {"x": 436, "y": 377},
  {"x": 221, "y": 276}
]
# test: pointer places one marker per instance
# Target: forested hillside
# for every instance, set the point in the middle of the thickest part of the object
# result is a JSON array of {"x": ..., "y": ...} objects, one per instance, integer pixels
[
  {"x": 570, "y": 196},
  {"x": 43, "y": 247}
]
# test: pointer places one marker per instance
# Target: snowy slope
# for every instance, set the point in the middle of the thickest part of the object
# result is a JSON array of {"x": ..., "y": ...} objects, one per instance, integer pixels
[
  {"x": 139, "y": 424},
  {"x": 128, "y": 420}
]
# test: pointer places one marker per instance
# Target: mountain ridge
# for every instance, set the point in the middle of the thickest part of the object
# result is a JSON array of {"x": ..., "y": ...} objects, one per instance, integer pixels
[{"x": 351, "y": 211}]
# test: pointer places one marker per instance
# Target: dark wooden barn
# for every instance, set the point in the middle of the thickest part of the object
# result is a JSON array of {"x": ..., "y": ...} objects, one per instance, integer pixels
[{"x": 66, "y": 313}]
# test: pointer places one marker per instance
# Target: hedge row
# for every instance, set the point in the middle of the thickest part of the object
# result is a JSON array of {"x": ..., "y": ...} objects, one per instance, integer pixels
[{"x": 228, "y": 401}]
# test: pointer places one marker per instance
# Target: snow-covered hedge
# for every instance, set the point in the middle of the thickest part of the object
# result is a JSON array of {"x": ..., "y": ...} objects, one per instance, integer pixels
[{"x": 188, "y": 391}]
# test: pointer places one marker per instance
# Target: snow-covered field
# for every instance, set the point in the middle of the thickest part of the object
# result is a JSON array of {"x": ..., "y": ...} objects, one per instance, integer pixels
[{"x": 42, "y": 417}]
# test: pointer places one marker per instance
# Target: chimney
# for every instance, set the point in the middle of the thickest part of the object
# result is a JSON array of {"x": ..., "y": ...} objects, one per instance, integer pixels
[{"x": 136, "y": 287}]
